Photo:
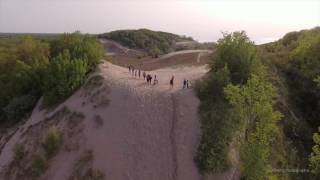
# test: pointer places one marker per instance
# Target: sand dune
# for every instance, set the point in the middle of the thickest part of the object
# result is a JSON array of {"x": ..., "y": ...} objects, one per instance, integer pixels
[{"x": 135, "y": 131}]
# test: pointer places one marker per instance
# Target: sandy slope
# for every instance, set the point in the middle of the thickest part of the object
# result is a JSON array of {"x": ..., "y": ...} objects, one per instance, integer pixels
[
  {"x": 186, "y": 52},
  {"x": 146, "y": 132}
]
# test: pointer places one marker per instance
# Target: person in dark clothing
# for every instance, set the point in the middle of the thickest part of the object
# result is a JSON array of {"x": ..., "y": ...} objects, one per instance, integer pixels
[
  {"x": 144, "y": 75},
  {"x": 184, "y": 83},
  {"x": 129, "y": 68},
  {"x": 171, "y": 81},
  {"x": 149, "y": 79},
  {"x": 139, "y": 73}
]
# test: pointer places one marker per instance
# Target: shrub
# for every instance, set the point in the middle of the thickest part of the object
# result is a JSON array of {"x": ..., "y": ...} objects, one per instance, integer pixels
[
  {"x": 253, "y": 106},
  {"x": 240, "y": 55},
  {"x": 52, "y": 141},
  {"x": 79, "y": 46},
  {"x": 235, "y": 60},
  {"x": 63, "y": 76},
  {"x": 19, "y": 153},
  {"x": 38, "y": 166},
  {"x": 19, "y": 106}
]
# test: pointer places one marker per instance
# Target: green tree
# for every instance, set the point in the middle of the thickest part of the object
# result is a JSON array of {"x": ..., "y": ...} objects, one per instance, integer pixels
[
  {"x": 63, "y": 76},
  {"x": 79, "y": 46},
  {"x": 237, "y": 52},
  {"x": 234, "y": 62},
  {"x": 253, "y": 106},
  {"x": 216, "y": 124},
  {"x": 21, "y": 60}
]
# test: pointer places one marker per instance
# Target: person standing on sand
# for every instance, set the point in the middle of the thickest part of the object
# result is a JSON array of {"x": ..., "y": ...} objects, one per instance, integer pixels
[
  {"x": 139, "y": 73},
  {"x": 184, "y": 83},
  {"x": 129, "y": 67},
  {"x": 188, "y": 83},
  {"x": 150, "y": 79},
  {"x": 171, "y": 81},
  {"x": 132, "y": 69},
  {"x": 144, "y": 75},
  {"x": 155, "y": 80}
]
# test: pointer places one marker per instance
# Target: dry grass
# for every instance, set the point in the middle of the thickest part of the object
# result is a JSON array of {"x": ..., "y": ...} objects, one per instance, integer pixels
[{"x": 83, "y": 168}]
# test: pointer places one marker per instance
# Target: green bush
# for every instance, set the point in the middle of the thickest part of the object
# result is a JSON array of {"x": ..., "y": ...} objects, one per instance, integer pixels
[
  {"x": 253, "y": 106},
  {"x": 52, "y": 142},
  {"x": 21, "y": 60},
  {"x": 234, "y": 66},
  {"x": 239, "y": 54},
  {"x": 19, "y": 106},
  {"x": 28, "y": 68},
  {"x": 79, "y": 46},
  {"x": 63, "y": 76}
]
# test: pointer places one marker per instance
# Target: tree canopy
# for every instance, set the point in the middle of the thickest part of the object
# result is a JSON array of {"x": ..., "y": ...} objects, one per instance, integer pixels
[{"x": 55, "y": 67}]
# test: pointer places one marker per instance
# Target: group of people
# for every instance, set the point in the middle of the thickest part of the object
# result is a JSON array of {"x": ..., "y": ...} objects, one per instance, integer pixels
[
  {"x": 135, "y": 72},
  {"x": 186, "y": 83},
  {"x": 148, "y": 77}
]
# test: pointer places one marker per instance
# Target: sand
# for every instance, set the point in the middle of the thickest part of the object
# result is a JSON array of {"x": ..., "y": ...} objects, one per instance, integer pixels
[{"x": 145, "y": 132}]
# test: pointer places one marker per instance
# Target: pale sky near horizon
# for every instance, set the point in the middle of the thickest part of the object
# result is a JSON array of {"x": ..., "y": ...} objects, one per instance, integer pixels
[{"x": 204, "y": 20}]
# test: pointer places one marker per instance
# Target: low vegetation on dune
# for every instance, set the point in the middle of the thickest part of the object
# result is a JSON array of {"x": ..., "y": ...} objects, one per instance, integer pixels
[
  {"x": 51, "y": 67},
  {"x": 154, "y": 42},
  {"x": 83, "y": 169},
  {"x": 31, "y": 164}
]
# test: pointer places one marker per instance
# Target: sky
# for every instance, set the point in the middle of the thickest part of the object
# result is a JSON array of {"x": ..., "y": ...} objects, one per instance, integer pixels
[{"x": 204, "y": 20}]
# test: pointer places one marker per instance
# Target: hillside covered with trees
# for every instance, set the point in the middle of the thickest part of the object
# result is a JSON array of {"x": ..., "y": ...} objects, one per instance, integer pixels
[
  {"x": 264, "y": 100},
  {"x": 155, "y": 43},
  {"x": 51, "y": 67}
]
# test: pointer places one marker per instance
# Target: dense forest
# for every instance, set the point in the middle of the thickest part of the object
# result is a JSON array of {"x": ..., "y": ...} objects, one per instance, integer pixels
[
  {"x": 263, "y": 100},
  {"x": 50, "y": 67},
  {"x": 154, "y": 42}
]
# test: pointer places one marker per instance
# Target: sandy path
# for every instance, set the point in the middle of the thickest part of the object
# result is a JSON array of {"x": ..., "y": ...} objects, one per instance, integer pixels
[
  {"x": 185, "y": 52},
  {"x": 160, "y": 123}
]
